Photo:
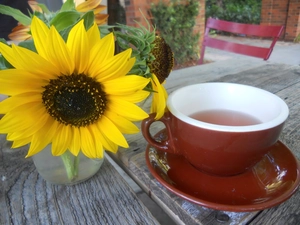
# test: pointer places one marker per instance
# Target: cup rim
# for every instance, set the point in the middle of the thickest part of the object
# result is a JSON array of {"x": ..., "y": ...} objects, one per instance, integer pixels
[{"x": 280, "y": 119}]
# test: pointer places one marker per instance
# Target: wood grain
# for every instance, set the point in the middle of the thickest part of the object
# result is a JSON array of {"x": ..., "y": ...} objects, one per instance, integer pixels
[
  {"x": 281, "y": 79},
  {"x": 25, "y": 198}
]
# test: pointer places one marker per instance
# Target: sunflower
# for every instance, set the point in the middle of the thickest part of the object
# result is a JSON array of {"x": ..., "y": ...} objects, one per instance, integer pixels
[
  {"x": 160, "y": 68},
  {"x": 20, "y": 33},
  {"x": 155, "y": 60},
  {"x": 73, "y": 94}
]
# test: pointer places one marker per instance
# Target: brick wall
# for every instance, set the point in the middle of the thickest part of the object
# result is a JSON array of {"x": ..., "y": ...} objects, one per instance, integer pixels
[
  {"x": 293, "y": 20},
  {"x": 282, "y": 12},
  {"x": 274, "y": 12},
  {"x": 136, "y": 10}
]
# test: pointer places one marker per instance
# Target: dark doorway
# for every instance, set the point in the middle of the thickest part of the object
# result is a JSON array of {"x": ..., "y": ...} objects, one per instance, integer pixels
[{"x": 116, "y": 12}]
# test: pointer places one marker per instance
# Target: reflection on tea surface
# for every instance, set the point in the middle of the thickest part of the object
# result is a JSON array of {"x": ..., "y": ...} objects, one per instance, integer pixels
[{"x": 225, "y": 117}]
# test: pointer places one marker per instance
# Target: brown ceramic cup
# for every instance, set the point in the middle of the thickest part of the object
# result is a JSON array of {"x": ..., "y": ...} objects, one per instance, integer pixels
[{"x": 223, "y": 150}]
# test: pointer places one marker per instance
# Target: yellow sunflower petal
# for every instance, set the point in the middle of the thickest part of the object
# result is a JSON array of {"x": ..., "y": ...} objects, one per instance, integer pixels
[
  {"x": 93, "y": 35},
  {"x": 136, "y": 97},
  {"x": 114, "y": 67},
  {"x": 124, "y": 125},
  {"x": 40, "y": 33},
  {"x": 99, "y": 151},
  {"x": 62, "y": 140},
  {"x": 127, "y": 109},
  {"x": 59, "y": 54},
  {"x": 15, "y": 82},
  {"x": 14, "y": 120},
  {"x": 43, "y": 137},
  {"x": 125, "y": 85},
  {"x": 99, "y": 53},
  {"x": 41, "y": 118},
  {"x": 112, "y": 132},
  {"x": 89, "y": 146},
  {"x": 87, "y": 142},
  {"x": 21, "y": 142},
  {"x": 75, "y": 144},
  {"x": 36, "y": 65},
  {"x": 18, "y": 58},
  {"x": 107, "y": 144},
  {"x": 159, "y": 98},
  {"x": 10, "y": 103},
  {"x": 79, "y": 45},
  {"x": 8, "y": 54}
]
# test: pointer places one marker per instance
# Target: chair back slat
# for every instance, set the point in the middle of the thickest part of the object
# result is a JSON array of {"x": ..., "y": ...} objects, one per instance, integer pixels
[
  {"x": 243, "y": 49},
  {"x": 241, "y": 28},
  {"x": 261, "y": 31}
]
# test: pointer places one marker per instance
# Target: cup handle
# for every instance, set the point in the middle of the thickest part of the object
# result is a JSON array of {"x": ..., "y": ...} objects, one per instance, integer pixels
[{"x": 164, "y": 145}]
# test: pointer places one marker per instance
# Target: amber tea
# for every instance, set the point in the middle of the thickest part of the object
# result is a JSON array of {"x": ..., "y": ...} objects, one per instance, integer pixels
[{"x": 225, "y": 117}]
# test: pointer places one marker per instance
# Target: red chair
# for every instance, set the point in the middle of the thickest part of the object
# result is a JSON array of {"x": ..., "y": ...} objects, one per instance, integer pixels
[{"x": 273, "y": 32}]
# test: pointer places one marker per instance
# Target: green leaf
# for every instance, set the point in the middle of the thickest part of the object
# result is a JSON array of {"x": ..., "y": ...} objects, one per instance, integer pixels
[
  {"x": 104, "y": 30},
  {"x": 3, "y": 41},
  {"x": 68, "y": 5},
  {"x": 65, "y": 33},
  {"x": 44, "y": 8},
  {"x": 29, "y": 44},
  {"x": 4, "y": 64},
  {"x": 16, "y": 14},
  {"x": 65, "y": 19},
  {"x": 88, "y": 19},
  {"x": 39, "y": 15}
]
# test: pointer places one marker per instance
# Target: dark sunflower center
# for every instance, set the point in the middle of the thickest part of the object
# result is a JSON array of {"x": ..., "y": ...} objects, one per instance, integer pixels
[{"x": 76, "y": 100}]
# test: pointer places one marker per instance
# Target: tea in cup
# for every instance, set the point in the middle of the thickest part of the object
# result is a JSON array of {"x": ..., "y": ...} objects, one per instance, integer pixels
[{"x": 220, "y": 128}]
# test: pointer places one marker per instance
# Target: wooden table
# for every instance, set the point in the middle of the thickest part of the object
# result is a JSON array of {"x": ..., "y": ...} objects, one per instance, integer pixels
[
  {"x": 284, "y": 81},
  {"x": 25, "y": 198}
]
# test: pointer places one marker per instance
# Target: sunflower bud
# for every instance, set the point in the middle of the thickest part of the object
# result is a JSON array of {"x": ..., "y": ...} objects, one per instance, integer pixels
[{"x": 163, "y": 63}]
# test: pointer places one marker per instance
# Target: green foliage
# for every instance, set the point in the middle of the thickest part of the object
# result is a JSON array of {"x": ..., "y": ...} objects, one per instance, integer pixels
[
  {"x": 140, "y": 40},
  {"x": 242, "y": 11},
  {"x": 297, "y": 39},
  {"x": 16, "y": 14},
  {"x": 175, "y": 22},
  {"x": 4, "y": 64}
]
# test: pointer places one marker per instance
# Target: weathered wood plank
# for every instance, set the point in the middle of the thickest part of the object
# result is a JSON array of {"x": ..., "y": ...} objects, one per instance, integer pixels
[
  {"x": 276, "y": 78},
  {"x": 289, "y": 211},
  {"x": 182, "y": 212},
  {"x": 291, "y": 133},
  {"x": 270, "y": 77},
  {"x": 25, "y": 198},
  {"x": 209, "y": 72}
]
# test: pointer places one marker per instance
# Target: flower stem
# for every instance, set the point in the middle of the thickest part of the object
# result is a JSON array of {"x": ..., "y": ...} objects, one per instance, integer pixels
[{"x": 71, "y": 164}]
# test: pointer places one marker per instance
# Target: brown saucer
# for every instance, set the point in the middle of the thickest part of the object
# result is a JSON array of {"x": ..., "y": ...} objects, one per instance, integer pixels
[{"x": 270, "y": 182}]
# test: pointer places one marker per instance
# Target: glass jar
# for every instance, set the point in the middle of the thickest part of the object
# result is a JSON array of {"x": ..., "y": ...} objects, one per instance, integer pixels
[{"x": 65, "y": 169}]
